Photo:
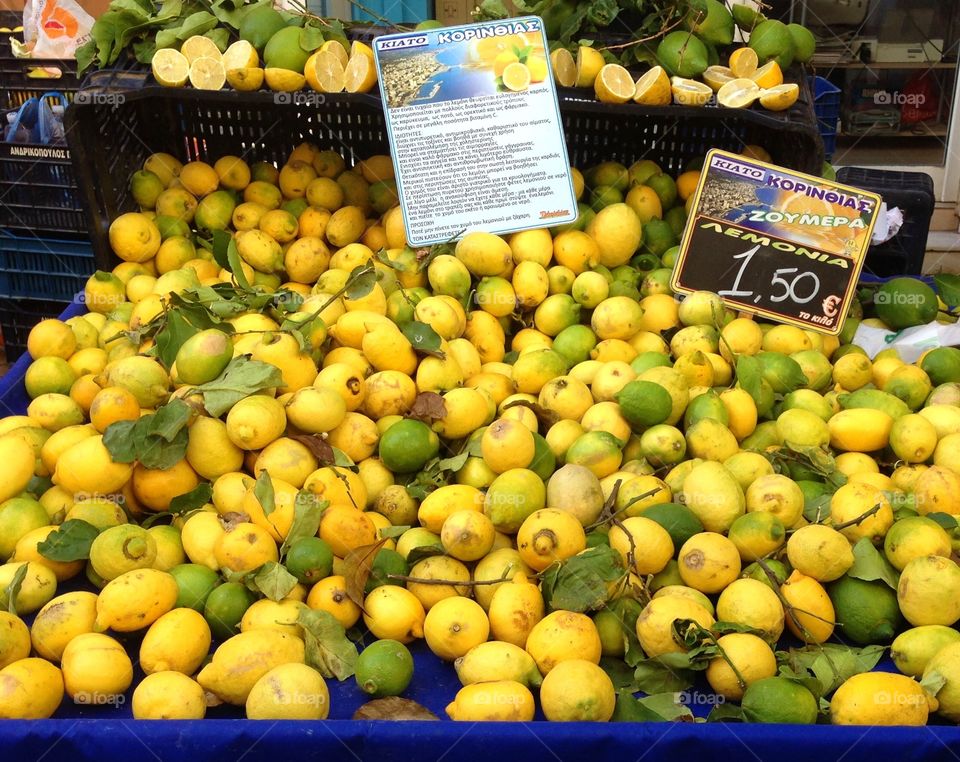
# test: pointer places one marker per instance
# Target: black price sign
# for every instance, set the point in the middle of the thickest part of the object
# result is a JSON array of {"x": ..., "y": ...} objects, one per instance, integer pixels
[{"x": 780, "y": 244}]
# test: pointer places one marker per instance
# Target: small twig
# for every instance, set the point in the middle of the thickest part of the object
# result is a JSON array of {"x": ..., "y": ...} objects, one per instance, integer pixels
[
  {"x": 859, "y": 519},
  {"x": 642, "y": 40}
]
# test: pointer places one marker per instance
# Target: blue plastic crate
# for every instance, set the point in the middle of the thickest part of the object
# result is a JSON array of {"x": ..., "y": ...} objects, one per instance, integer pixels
[
  {"x": 826, "y": 107},
  {"x": 396, "y": 11},
  {"x": 43, "y": 268}
]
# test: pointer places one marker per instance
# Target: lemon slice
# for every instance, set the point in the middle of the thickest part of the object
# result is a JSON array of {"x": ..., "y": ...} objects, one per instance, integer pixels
[
  {"x": 336, "y": 47},
  {"x": 564, "y": 67},
  {"x": 653, "y": 88},
  {"x": 240, "y": 55},
  {"x": 779, "y": 97},
  {"x": 589, "y": 64},
  {"x": 283, "y": 80},
  {"x": 245, "y": 80},
  {"x": 689, "y": 92},
  {"x": 743, "y": 62},
  {"x": 360, "y": 75},
  {"x": 614, "y": 84},
  {"x": 328, "y": 72},
  {"x": 738, "y": 93},
  {"x": 170, "y": 67},
  {"x": 717, "y": 76},
  {"x": 207, "y": 73},
  {"x": 199, "y": 46},
  {"x": 768, "y": 75},
  {"x": 516, "y": 77}
]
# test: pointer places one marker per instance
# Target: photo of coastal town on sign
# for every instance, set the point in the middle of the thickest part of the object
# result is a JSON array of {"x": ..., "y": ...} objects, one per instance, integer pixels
[{"x": 463, "y": 69}]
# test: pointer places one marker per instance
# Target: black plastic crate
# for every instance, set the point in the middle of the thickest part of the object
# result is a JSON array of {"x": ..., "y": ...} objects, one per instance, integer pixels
[
  {"x": 913, "y": 193},
  {"x": 38, "y": 190},
  {"x": 43, "y": 268},
  {"x": 134, "y": 118},
  {"x": 130, "y": 114},
  {"x": 19, "y": 316}
]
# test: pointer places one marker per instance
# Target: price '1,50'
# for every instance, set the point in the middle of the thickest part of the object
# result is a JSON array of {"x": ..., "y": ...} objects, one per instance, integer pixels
[{"x": 792, "y": 288}]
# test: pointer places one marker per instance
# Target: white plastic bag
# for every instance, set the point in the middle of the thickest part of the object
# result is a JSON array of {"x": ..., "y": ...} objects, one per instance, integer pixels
[
  {"x": 54, "y": 28},
  {"x": 910, "y": 343}
]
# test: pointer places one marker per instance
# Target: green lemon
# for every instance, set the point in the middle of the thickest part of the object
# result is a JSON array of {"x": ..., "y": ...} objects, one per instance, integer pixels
[
  {"x": 941, "y": 364},
  {"x": 866, "y": 612},
  {"x": 195, "y": 583},
  {"x": 225, "y": 607},
  {"x": 646, "y": 360},
  {"x": 309, "y": 559},
  {"x": 658, "y": 236},
  {"x": 905, "y": 302},
  {"x": 779, "y": 700},
  {"x": 260, "y": 24},
  {"x": 120, "y": 549},
  {"x": 778, "y": 568},
  {"x": 644, "y": 403},
  {"x": 669, "y": 575},
  {"x": 384, "y": 668},
  {"x": 18, "y": 516},
  {"x": 574, "y": 343},
  {"x": 407, "y": 446},
  {"x": 544, "y": 461}
]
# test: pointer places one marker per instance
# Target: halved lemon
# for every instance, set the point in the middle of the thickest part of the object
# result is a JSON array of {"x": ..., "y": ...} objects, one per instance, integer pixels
[
  {"x": 199, "y": 46},
  {"x": 738, "y": 93},
  {"x": 328, "y": 72},
  {"x": 170, "y": 67},
  {"x": 717, "y": 76},
  {"x": 780, "y": 97},
  {"x": 360, "y": 47},
  {"x": 743, "y": 62},
  {"x": 240, "y": 55},
  {"x": 360, "y": 75},
  {"x": 689, "y": 92},
  {"x": 653, "y": 88},
  {"x": 283, "y": 80},
  {"x": 614, "y": 84},
  {"x": 564, "y": 67},
  {"x": 769, "y": 75},
  {"x": 245, "y": 80},
  {"x": 207, "y": 73},
  {"x": 589, "y": 64},
  {"x": 537, "y": 65},
  {"x": 516, "y": 77},
  {"x": 336, "y": 47}
]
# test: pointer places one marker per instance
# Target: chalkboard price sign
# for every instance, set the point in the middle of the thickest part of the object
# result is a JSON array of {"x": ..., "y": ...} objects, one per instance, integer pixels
[{"x": 782, "y": 245}]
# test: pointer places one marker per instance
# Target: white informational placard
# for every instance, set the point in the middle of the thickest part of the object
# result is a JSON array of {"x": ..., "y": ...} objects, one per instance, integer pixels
[{"x": 474, "y": 129}]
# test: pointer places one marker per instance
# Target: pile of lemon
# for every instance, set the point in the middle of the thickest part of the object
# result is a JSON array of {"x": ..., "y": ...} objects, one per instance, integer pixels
[
  {"x": 572, "y": 402},
  {"x": 740, "y": 84},
  {"x": 336, "y": 66}
]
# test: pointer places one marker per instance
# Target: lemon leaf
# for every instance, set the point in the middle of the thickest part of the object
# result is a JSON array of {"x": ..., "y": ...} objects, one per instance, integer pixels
[
  {"x": 869, "y": 565},
  {"x": 357, "y": 567},
  {"x": 654, "y": 676},
  {"x": 176, "y": 330},
  {"x": 361, "y": 282},
  {"x": 948, "y": 287},
  {"x": 946, "y": 520},
  {"x": 619, "y": 672},
  {"x": 263, "y": 491},
  {"x": 829, "y": 664},
  {"x": 241, "y": 378},
  {"x": 328, "y": 650},
  {"x": 581, "y": 583},
  {"x": 428, "y": 407},
  {"x": 311, "y": 38},
  {"x": 118, "y": 439},
  {"x": 233, "y": 259},
  {"x": 190, "y": 501},
  {"x": 12, "y": 590},
  {"x": 423, "y": 338},
  {"x": 71, "y": 542},
  {"x": 274, "y": 581},
  {"x": 726, "y": 712},
  {"x": 388, "y": 533},
  {"x": 307, "y": 512},
  {"x": 933, "y": 682},
  {"x": 454, "y": 463},
  {"x": 749, "y": 376},
  {"x": 423, "y": 551}
]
